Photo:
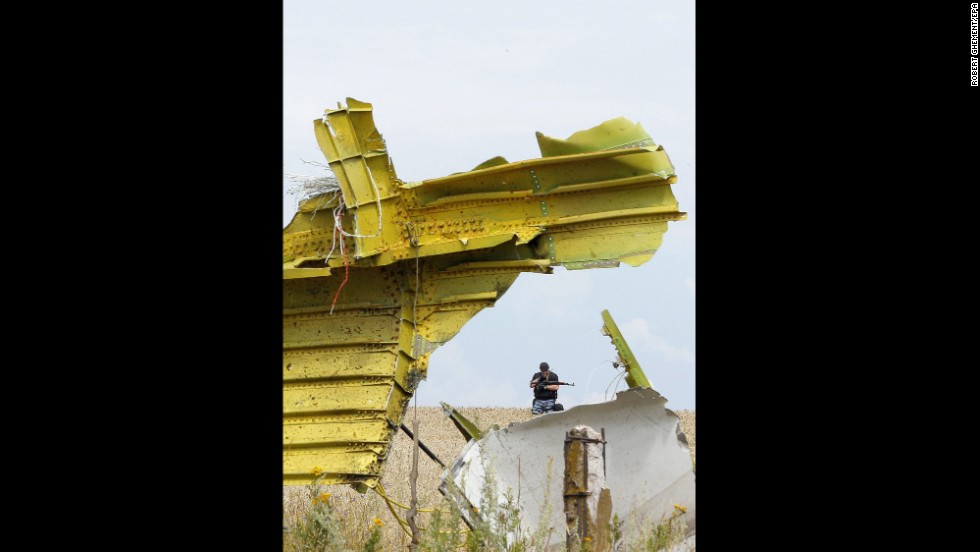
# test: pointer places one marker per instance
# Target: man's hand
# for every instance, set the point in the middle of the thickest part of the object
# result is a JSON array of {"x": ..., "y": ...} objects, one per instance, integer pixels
[{"x": 535, "y": 381}]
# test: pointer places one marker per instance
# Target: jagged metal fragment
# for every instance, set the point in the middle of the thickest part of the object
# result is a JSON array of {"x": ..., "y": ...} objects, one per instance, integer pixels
[
  {"x": 634, "y": 374},
  {"x": 468, "y": 429},
  {"x": 648, "y": 463}
]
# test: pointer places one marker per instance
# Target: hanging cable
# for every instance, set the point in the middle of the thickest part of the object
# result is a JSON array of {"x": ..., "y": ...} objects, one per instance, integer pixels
[
  {"x": 402, "y": 523},
  {"x": 346, "y": 274},
  {"x": 617, "y": 379}
]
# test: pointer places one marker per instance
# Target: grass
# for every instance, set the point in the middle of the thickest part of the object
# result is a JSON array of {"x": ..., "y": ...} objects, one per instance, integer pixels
[{"x": 349, "y": 521}]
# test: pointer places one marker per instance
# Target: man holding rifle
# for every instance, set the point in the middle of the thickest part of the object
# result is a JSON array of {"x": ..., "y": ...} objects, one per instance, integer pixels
[{"x": 545, "y": 384}]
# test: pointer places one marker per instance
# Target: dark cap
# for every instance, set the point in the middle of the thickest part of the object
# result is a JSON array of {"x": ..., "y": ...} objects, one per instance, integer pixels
[{"x": 543, "y": 366}]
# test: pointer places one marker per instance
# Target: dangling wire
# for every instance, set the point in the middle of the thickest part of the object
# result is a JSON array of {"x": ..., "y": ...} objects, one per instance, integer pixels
[
  {"x": 391, "y": 503},
  {"x": 346, "y": 273},
  {"x": 617, "y": 379},
  {"x": 333, "y": 244},
  {"x": 380, "y": 490},
  {"x": 324, "y": 202},
  {"x": 316, "y": 164}
]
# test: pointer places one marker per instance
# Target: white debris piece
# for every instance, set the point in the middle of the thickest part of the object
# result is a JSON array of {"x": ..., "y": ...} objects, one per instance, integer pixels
[{"x": 648, "y": 463}]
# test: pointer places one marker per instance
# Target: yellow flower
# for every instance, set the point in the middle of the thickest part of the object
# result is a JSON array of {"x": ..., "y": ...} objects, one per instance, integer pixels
[
  {"x": 324, "y": 497},
  {"x": 683, "y": 509},
  {"x": 317, "y": 470},
  {"x": 587, "y": 539},
  {"x": 377, "y": 521},
  {"x": 475, "y": 509}
]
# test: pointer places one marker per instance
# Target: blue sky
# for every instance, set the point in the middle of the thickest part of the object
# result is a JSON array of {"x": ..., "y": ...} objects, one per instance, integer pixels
[{"x": 454, "y": 84}]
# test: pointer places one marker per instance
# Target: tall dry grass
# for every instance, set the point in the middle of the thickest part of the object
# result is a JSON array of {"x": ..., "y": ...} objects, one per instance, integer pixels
[{"x": 438, "y": 433}]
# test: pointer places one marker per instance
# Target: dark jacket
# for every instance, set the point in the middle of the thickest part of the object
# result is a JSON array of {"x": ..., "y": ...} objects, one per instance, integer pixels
[{"x": 540, "y": 392}]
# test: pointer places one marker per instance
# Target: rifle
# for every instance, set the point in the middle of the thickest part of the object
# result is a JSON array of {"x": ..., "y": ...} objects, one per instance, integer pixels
[{"x": 547, "y": 383}]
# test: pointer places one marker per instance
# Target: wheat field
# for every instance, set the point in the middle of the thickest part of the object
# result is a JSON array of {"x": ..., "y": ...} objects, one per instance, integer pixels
[{"x": 437, "y": 432}]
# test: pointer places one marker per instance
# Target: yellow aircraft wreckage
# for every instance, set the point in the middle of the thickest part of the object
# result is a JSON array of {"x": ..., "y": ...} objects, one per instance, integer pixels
[{"x": 377, "y": 272}]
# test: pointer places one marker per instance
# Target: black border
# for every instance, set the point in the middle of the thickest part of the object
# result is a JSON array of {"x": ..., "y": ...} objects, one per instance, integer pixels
[{"x": 175, "y": 144}]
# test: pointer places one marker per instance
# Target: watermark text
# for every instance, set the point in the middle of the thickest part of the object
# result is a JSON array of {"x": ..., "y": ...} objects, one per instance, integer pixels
[{"x": 974, "y": 46}]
